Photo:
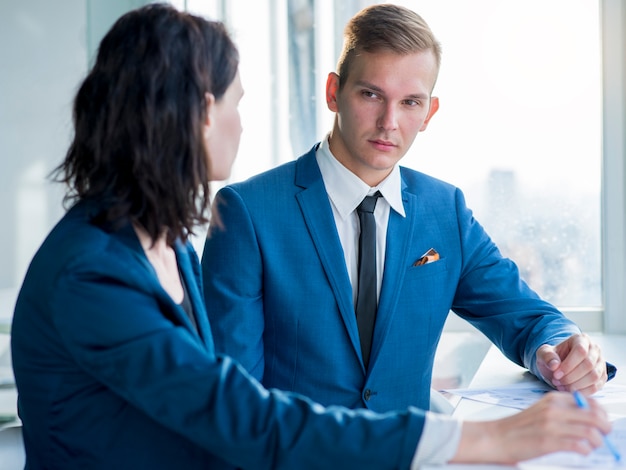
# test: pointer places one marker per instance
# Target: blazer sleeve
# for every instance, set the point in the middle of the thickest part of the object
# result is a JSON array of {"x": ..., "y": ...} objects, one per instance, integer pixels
[
  {"x": 233, "y": 283},
  {"x": 493, "y": 297},
  {"x": 114, "y": 326}
]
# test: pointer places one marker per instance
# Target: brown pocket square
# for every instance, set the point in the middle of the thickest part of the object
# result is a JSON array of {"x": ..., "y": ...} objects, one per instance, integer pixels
[{"x": 429, "y": 257}]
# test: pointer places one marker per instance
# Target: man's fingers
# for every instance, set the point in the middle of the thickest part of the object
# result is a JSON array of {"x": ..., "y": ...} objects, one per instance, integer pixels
[{"x": 548, "y": 355}]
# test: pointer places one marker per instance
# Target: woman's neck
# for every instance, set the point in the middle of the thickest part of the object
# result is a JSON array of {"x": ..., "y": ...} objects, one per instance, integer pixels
[{"x": 163, "y": 260}]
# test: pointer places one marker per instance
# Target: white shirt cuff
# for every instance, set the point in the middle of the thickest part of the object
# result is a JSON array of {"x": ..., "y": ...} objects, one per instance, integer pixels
[{"x": 439, "y": 441}]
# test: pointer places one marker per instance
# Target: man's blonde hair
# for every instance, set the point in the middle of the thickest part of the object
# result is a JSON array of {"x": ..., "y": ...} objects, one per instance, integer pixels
[{"x": 385, "y": 27}]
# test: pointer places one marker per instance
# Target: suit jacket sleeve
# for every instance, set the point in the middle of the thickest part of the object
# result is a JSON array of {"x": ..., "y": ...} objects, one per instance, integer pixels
[
  {"x": 127, "y": 344},
  {"x": 233, "y": 283},
  {"x": 493, "y": 297}
]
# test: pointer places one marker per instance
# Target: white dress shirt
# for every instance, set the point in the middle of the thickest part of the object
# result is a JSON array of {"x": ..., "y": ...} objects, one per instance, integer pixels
[
  {"x": 346, "y": 191},
  {"x": 441, "y": 434}
]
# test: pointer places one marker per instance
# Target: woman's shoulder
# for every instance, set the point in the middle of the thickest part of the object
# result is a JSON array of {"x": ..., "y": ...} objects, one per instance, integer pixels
[{"x": 79, "y": 240}]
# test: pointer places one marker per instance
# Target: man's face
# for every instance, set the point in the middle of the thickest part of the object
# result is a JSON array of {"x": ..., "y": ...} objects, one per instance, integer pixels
[{"x": 382, "y": 106}]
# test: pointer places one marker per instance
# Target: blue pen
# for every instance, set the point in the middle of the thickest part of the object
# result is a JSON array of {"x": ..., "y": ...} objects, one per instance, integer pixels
[{"x": 581, "y": 401}]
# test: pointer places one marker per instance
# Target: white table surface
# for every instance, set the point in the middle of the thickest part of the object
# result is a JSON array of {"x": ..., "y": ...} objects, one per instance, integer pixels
[{"x": 497, "y": 371}]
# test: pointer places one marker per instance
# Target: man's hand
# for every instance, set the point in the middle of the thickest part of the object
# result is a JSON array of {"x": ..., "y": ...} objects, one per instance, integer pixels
[{"x": 574, "y": 364}]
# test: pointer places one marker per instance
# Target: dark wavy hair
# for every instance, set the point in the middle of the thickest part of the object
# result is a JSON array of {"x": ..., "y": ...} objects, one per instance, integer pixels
[{"x": 138, "y": 145}]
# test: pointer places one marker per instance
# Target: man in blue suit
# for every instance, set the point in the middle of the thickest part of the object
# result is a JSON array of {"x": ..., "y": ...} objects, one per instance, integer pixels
[{"x": 281, "y": 265}]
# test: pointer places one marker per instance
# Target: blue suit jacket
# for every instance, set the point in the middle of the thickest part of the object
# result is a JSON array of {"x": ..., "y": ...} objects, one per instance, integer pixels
[
  {"x": 111, "y": 374},
  {"x": 280, "y": 301}
]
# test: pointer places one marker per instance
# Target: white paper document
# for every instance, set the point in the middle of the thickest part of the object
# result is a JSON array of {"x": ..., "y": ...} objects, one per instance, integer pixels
[
  {"x": 524, "y": 394},
  {"x": 599, "y": 458}
]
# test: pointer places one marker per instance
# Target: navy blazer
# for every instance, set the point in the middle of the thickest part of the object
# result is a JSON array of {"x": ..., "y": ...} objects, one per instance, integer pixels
[
  {"x": 111, "y": 373},
  {"x": 280, "y": 300}
]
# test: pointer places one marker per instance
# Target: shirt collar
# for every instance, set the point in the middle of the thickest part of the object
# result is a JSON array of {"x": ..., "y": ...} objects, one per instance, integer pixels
[{"x": 346, "y": 190}]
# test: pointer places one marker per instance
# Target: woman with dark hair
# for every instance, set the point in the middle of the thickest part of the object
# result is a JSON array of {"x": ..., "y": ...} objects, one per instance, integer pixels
[{"x": 112, "y": 349}]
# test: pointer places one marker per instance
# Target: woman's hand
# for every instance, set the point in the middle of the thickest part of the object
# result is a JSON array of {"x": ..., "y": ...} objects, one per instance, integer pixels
[{"x": 552, "y": 424}]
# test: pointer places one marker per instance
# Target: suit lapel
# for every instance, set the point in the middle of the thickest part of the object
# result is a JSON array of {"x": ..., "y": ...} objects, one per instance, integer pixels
[
  {"x": 318, "y": 217},
  {"x": 191, "y": 275},
  {"x": 400, "y": 232},
  {"x": 126, "y": 235}
]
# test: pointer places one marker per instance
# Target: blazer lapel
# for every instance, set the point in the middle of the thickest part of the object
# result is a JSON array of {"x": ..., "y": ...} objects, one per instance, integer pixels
[
  {"x": 318, "y": 216},
  {"x": 126, "y": 235},
  {"x": 400, "y": 232},
  {"x": 192, "y": 278}
]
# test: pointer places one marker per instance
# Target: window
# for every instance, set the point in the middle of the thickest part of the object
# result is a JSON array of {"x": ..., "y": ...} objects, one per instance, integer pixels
[{"x": 519, "y": 130}]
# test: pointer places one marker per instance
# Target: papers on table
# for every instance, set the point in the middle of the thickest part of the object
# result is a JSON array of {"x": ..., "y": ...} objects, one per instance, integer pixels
[
  {"x": 599, "y": 458},
  {"x": 524, "y": 394}
]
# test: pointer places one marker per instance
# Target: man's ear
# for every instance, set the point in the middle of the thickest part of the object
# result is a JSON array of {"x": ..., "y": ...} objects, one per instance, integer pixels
[
  {"x": 434, "y": 106},
  {"x": 210, "y": 111},
  {"x": 332, "y": 86}
]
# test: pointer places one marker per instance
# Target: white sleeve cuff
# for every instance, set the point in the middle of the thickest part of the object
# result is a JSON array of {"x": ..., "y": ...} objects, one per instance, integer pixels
[{"x": 439, "y": 441}]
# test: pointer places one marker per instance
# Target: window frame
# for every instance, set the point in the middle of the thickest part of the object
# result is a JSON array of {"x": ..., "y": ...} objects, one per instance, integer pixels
[{"x": 613, "y": 28}]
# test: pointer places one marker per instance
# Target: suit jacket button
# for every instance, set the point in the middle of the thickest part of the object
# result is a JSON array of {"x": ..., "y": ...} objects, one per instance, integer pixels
[{"x": 367, "y": 395}]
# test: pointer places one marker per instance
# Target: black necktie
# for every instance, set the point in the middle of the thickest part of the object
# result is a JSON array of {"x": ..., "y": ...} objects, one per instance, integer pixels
[{"x": 366, "y": 303}]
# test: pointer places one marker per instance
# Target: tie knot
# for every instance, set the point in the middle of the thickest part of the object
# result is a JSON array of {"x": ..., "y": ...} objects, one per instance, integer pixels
[{"x": 369, "y": 203}]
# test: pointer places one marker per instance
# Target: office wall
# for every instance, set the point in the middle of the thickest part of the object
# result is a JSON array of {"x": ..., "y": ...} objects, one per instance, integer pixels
[
  {"x": 43, "y": 55},
  {"x": 100, "y": 15},
  {"x": 45, "y": 50}
]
